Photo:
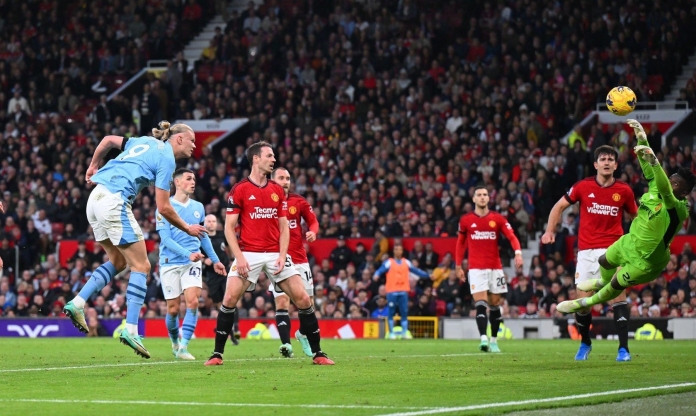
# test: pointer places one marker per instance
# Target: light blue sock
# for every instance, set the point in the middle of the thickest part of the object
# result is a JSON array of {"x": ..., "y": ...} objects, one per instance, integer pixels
[
  {"x": 189, "y": 325},
  {"x": 100, "y": 278},
  {"x": 404, "y": 325},
  {"x": 172, "y": 322},
  {"x": 135, "y": 296},
  {"x": 390, "y": 322}
]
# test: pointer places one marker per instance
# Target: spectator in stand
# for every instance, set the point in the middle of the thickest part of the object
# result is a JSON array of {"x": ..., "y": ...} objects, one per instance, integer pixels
[
  {"x": 680, "y": 283},
  {"x": 430, "y": 258},
  {"x": 449, "y": 291},
  {"x": 442, "y": 271},
  {"x": 17, "y": 102},
  {"x": 340, "y": 256}
]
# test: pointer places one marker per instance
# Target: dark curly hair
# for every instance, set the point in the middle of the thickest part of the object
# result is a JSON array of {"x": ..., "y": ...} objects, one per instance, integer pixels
[{"x": 688, "y": 176}]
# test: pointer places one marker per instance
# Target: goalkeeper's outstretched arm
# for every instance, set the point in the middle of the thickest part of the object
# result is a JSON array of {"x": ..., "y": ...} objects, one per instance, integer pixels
[
  {"x": 648, "y": 161},
  {"x": 664, "y": 187},
  {"x": 645, "y": 165}
]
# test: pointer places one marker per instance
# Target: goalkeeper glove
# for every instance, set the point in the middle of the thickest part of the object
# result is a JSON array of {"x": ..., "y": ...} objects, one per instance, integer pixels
[
  {"x": 637, "y": 129},
  {"x": 646, "y": 153}
]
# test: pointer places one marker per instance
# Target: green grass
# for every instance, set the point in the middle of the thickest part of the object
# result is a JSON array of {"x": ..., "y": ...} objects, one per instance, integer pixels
[{"x": 375, "y": 377}]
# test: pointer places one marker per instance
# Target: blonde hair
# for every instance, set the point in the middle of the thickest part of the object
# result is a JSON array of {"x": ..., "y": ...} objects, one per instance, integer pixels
[{"x": 165, "y": 130}]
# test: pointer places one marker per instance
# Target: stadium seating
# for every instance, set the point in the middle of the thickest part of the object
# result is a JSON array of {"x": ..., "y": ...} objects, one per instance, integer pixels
[{"x": 358, "y": 101}]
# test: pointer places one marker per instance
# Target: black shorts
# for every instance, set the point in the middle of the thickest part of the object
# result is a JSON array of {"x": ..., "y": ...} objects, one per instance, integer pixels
[{"x": 216, "y": 287}]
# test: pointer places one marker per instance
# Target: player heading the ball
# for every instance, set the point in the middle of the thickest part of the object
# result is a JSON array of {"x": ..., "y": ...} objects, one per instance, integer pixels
[{"x": 143, "y": 160}]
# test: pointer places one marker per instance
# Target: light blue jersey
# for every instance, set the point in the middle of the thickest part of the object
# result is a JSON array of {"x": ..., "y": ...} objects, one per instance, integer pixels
[
  {"x": 176, "y": 246},
  {"x": 143, "y": 162}
]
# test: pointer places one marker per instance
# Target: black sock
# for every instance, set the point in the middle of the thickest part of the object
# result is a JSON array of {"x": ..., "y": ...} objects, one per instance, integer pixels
[
  {"x": 283, "y": 324},
  {"x": 309, "y": 326},
  {"x": 583, "y": 322},
  {"x": 621, "y": 321},
  {"x": 225, "y": 320},
  {"x": 495, "y": 318},
  {"x": 235, "y": 326},
  {"x": 481, "y": 318}
]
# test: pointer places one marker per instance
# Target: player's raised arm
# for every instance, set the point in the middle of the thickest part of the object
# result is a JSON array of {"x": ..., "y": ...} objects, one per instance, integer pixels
[
  {"x": 661, "y": 179},
  {"x": 460, "y": 250},
  {"x": 645, "y": 165},
  {"x": 107, "y": 143},
  {"x": 549, "y": 236}
]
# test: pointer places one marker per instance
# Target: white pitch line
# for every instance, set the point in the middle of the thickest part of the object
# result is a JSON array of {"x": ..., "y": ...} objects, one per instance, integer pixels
[
  {"x": 163, "y": 403},
  {"x": 147, "y": 363},
  {"x": 536, "y": 401}
]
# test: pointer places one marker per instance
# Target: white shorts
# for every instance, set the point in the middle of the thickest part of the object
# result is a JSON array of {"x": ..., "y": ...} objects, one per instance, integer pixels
[
  {"x": 111, "y": 217},
  {"x": 176, "y": 279},
  {"x": 305, "y": 273},
  {"x": 491, "y": 280},
  {"x": 264, "y": 262},
  {"x": 587, "y": 266}
]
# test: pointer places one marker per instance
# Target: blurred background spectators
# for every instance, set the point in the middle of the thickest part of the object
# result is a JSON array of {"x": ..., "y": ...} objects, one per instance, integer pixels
[{"x": 387, "y": 113}]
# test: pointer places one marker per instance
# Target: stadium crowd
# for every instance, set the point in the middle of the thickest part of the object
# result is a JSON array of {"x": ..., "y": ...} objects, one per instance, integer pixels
[{"x": 386, "y": 113}]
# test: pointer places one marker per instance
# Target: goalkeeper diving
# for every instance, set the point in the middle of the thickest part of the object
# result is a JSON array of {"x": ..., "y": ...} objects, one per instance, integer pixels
[{"x": 644, "y": 252}]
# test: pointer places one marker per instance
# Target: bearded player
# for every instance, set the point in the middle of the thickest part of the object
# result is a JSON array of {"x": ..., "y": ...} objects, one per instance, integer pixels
[
  {"x": 258, "y": 204},
  {"x": 478, "y": 231},
  {"x": 603, "y": 201},
  {"x": 644, "y": 252},
  {"x": 298, "y": 209}
]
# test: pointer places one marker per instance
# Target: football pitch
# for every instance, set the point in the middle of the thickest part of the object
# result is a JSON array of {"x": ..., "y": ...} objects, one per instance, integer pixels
[{"x": 63, "y": 376}]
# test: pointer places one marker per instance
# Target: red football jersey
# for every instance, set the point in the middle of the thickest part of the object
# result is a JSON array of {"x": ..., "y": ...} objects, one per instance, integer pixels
[
  {"x": 259, "y": 208},
  {"x": 298, "y": 208},
  {"x": 480, "y": 234},
  {"x": 601, "y": 211}
]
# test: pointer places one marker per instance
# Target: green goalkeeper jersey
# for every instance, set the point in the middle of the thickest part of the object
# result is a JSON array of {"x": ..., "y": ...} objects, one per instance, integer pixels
[{"x": 660, "y": 214}]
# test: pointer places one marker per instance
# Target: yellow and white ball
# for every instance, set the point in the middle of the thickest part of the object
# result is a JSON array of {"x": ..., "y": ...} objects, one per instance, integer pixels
[{"x": 621, "y": 101}]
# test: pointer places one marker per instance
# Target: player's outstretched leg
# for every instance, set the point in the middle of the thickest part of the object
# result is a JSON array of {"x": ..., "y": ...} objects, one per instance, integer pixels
[
  {"x": 621, "y": 321},
  {"x": 75, "y": 308},
  {"x": 225, "y": 321},
  {"x": 283, "y": 325},
  {"x": 309, "y": 325},
  {"x": 496, "y": 319},
  {"x": 188, "y": 327},
  {"x": 172, "y": 322},
  {"x": 135, "y": 298},
  {"x": 482, "y": 323},
  {"x": 607, "y": 293},
  {"x": 590, "y": 285}
]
